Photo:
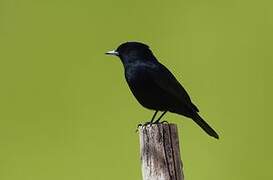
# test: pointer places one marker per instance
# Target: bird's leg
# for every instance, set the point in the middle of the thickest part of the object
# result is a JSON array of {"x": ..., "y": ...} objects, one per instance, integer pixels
[
  {"x": 154, "y": 116},
  {"x": 149, "y": 122},
  {"x": 157, "y": 121},
  {"x": 152, "y": 120}
]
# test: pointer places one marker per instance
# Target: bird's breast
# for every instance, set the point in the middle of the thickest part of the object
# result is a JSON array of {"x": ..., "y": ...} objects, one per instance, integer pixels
[
  {"x": 144, "y": 89},
  {"x": 138, "y": 78}
]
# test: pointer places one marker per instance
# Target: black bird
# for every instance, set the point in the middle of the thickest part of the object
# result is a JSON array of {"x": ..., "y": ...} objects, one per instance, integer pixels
[{"x": 154, "y": 86}]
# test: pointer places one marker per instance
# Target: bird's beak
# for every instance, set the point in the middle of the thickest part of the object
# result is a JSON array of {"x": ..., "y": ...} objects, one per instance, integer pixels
[{"x": 113, "y": 53}]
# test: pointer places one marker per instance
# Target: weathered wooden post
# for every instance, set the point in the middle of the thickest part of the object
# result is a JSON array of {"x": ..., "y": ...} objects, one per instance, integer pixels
[{"x": 160, "y": 154}]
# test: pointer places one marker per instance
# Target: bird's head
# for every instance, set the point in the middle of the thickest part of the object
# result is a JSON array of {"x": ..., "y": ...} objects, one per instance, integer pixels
[{"x": 130, "y": 52}]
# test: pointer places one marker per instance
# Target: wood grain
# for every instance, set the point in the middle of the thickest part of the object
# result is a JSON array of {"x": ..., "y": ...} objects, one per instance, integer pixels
[{"x": 160, "y": 153}]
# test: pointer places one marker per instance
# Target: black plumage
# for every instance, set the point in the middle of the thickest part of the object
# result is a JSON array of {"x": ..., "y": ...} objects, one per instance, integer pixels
[{"x": 154, "y": 86}]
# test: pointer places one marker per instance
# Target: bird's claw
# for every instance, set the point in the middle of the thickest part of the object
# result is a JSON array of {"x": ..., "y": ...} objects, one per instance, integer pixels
[
  {"x": 149, "y": 123},
  {"x": 139, "y": 125},
  {"x": 144, "y": 125},
  {"x": 162, "y": 122}
]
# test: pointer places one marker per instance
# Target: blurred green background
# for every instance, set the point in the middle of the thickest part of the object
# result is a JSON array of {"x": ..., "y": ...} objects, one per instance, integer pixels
[{"x": 67, "y": 113}]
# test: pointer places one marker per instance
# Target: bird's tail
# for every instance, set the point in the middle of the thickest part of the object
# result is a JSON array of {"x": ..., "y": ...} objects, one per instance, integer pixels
[{"x": 196, "y": 118}]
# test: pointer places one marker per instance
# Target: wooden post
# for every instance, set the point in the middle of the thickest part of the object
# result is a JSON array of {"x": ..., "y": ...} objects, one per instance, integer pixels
[{"x": 160, "y": 154}]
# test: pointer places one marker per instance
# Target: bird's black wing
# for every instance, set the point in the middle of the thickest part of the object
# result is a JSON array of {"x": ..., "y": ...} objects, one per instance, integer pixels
[{"x": 167, "y": 82}]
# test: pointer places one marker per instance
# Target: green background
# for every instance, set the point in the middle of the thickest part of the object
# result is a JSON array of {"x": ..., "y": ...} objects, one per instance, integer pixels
[{"x": 67, "y": 113}]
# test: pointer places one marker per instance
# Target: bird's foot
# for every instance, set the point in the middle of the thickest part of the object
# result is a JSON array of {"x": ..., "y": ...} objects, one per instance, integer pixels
[
  {"x": 139, "y": 125},
  {"x": 149, "y": 123},
  {"x": 162, "y": 122}
]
